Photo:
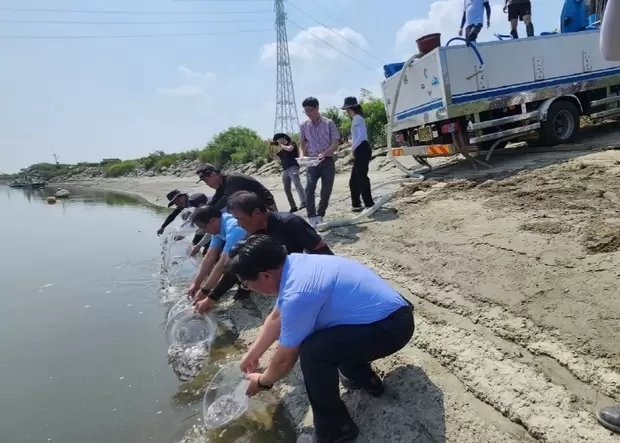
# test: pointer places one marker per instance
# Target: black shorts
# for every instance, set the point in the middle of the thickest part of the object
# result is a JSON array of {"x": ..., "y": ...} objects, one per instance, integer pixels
[
  {"x": 519, "y": 10},
  {"x": 472, "y": 31}
]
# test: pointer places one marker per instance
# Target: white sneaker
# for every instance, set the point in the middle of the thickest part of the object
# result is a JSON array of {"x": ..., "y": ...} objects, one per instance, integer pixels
[{"x": 319, "y": 220}]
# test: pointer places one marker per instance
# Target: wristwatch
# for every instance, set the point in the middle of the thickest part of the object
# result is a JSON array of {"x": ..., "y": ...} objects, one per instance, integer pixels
[{"x": 263, "y": 387}]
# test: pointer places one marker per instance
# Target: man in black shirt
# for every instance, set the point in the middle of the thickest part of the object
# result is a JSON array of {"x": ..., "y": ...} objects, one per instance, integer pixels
[
  {"x": 286, "y": 149},
  {"x": 226, "y": 185},
  {"x": 290, "y": 230}
]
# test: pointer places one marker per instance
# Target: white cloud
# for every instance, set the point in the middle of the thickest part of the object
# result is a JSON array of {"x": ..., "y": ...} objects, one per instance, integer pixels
[
  {"x": 186, "y": 72},
  {"x": 315, "y": 42},
  {"x": 444, "y": 16},
  {"x": 194, "y": 84},
  {"x": 181, "y": 91}
]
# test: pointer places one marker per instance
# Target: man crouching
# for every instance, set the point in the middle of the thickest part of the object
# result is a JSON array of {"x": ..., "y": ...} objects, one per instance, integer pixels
[{"x": 331, "y": 312}]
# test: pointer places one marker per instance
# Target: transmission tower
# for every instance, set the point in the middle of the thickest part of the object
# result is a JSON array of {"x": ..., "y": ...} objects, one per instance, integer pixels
[{"x": 287, "y": 119}]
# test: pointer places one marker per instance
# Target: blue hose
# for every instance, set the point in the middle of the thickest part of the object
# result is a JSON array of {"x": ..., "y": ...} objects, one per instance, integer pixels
[{"x": 470, "y": 44}]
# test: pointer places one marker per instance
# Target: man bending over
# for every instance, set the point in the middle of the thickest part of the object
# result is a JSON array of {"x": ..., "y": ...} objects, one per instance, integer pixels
[{"x": 333, "y": 314}]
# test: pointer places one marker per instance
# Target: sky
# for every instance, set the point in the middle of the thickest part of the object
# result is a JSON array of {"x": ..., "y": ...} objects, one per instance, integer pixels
[{"x": 85, "y": 99}]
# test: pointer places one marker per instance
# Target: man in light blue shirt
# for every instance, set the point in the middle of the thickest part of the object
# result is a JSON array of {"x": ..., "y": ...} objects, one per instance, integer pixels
[
  {"x": 334, "y": 314},
  {"x": 225, "y": 233}
]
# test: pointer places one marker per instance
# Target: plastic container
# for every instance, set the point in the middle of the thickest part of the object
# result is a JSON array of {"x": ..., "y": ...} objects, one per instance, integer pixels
[
  {"x": 183, "y": 304},
  {"x": 392, "y": 69},
  {"x": 428, "y": 43},
  {"x": 308, "y": 162},
  {"x": 188, "y": 328},
  {"x": 225, "y": 400}
]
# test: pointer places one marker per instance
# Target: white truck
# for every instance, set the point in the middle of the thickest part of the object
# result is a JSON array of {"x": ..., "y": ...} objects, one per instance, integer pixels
[{"x": 464, "y": 99}]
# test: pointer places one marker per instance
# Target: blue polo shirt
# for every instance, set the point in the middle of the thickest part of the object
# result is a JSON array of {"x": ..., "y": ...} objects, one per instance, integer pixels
[
  {"x": 321, "y": 291},
  {"x": 230, "y": 234}
]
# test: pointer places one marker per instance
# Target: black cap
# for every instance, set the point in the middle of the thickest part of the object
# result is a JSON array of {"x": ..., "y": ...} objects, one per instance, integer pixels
[
  {"x": 205, "y": 169},
  {"x": 350, "y": 102},
  {"x": 172, "y": 195},
  {"x": 280, "y": 135},
  {"x": 197, "y": 200}
]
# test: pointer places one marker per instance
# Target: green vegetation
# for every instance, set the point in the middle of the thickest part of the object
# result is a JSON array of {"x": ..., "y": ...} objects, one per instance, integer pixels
[{"x": 234, "y": 146}]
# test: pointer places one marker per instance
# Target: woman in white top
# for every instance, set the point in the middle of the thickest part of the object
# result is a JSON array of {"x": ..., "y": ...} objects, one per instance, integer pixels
[
  {"x": 610, "y": 47},
  {"x": 359, "y": 183}
]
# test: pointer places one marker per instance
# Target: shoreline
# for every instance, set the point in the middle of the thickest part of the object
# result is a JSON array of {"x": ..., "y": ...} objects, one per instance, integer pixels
[{"x": 512, "y": 273}]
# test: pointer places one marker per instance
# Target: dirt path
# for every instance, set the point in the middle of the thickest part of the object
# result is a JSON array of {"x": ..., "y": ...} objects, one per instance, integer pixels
[{"x": 513, "y": 272}]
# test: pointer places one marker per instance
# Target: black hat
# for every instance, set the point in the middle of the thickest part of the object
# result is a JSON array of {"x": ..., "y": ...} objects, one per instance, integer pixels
[
  {"x": 197, "y": 200},
  {"x": 280, "y": 135},
  {"x": 205, "y": 169},
  {"x": 350, "y": 102},
  {"x": 172, "y": 195}
]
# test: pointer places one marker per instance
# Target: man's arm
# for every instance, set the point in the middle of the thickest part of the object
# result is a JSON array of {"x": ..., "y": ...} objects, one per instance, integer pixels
[
  {"x": 334, "y": 136},
  {"x": 610, "y": 31},
  {"x": 269, "y": 333},
  {"x": 487, "y": 8},
  {"x": 281, "y": 365},
  {"x": 216, "y": 273},
  {"x": 302, "y": 142},
  {"x": 205, "y": 267},
  {"x": 463, "y": 21},
  {"x": 171, "y": 218}
]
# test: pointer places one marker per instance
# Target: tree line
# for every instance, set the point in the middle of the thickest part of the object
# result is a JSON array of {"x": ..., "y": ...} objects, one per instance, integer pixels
[{"x": 234, "y": 146}]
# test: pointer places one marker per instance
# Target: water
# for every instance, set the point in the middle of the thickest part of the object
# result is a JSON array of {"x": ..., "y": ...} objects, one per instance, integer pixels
[{"x": 83, "y": 355}]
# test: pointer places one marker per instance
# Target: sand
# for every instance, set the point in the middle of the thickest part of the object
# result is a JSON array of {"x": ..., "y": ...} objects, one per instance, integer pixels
[{"x": 514, "y": 275}]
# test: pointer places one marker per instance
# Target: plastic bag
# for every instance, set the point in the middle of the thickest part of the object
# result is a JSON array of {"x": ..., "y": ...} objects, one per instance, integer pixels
[{"x": 225, "y": 399}]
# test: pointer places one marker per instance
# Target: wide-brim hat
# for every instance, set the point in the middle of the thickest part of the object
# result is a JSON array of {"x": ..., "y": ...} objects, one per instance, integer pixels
[
  {"x": 350, "y": 102},
  {"x": 172, "y": 195},
  {"x": 280, "y": 135}
]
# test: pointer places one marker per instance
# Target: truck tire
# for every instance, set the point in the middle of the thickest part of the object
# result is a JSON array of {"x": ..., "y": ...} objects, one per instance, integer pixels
[{"x": 562, "y": 124}]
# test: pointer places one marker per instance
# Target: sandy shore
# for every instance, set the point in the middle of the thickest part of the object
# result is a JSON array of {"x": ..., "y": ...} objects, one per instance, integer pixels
[{"x": 514, "y": 275}]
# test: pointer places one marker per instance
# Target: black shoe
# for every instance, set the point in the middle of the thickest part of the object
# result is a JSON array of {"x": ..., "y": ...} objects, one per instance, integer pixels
[
  {"x": 610, "y": 418},
  {"x": 302, "y": 206},
  {"x": 344, "y": 434},
  {"x": 374, "y": 386},
  {"x": 293, "y": 210},
  {"x": 356, "y": 209},
  {"x": 242, "y": 294}
]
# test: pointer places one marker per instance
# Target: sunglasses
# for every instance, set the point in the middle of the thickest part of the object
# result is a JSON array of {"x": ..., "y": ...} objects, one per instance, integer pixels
[{"x": 309, "y": 111}]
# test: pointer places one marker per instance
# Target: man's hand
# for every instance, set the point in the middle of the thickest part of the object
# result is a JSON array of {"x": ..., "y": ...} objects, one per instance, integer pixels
[
  {"x": 253, "y": 388},
  {"x": 248, "y": 363},
  {"x": 505, "y": 9},
  {"x": 193, "y": 289},
  {"x": 160, "y": 231},
  {"x": 204, "y": 306},
  {"x": 321, "y": 157},
  {"x": 461, "y": 32},
  {"x": 195, "y": 250},
  {"x": 488, "y": 24}
]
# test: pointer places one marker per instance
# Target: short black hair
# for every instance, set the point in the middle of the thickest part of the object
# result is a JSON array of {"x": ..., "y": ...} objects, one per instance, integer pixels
[
  {"x": 246, "y": 202},
  {"x": 206, "y": 214},
  {"x": 310, "y": 101},
  {"x": 257, "y": 253}
]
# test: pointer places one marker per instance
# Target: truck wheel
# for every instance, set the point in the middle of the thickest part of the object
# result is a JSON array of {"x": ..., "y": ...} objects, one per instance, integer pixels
[{"x": 562, "y": 124}]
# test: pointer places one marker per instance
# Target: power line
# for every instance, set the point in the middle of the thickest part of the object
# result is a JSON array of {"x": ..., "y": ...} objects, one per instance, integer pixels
[
  {"x": 100, "y": 11},
  {"x": 73, "y": 22},
  {"x": 329, "y": 44},
  {"x": 76, "y": 37},
  {"x": 334, "y": 32}
]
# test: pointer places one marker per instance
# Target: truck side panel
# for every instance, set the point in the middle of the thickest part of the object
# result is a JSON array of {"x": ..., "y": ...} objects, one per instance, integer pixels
[
  {"x": 524, "y": 70},
  {"x": 421, "y": 94}
]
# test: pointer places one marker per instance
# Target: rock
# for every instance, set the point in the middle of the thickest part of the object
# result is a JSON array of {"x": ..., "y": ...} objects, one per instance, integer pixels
[{"x": 62, "y": 193}]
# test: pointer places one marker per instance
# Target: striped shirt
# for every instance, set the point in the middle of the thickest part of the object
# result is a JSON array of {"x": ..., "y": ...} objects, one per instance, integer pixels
[{"x": 318, "y": 137}]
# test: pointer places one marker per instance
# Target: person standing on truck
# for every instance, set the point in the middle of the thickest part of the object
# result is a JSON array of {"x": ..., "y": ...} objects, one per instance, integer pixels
[
  {"x": 609, "y": 416},
  {"x": 359, "y": 183},
  {"x": 334, "y": 315},
  {"x": 226, "y": 185},
  {"x": 473, "y": 18},
  {"x": 318, "y": 137},
  {"x": 519, "y": 10},
  {"x": 288, "y": 154}
]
